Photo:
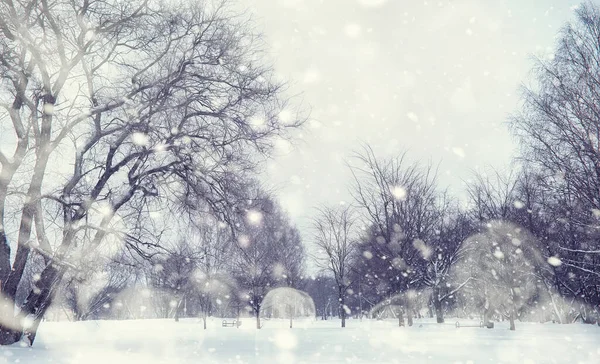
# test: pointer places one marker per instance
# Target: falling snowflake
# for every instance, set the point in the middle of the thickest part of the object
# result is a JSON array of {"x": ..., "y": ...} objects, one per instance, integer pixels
[
  {"x": 311, "y": 76},
  {"x": 140, "y": 139},
  {"x": 27, "y": 322},
  {"x": 105, "y": 209},
  {"x": 459, "y": 152},
  {"x": 399, "y": 193},
  {"x": 352, "y": 30},
  {"x": 498, "y": 254},
  {"x": 554, "y": 261},
  {"x": 160, "y": 147},
  {"x": 285, "y": 116},
  {"x": 257, "y": 121},
  {"x": 413, "y": 117},
  {"x": 423, "y": 249},
  {"x": 48, "y": 109},
  {"x": 254, "y": 217},
  {"x": 244, "y": 241},
  {"x": 283, "y": 146}
]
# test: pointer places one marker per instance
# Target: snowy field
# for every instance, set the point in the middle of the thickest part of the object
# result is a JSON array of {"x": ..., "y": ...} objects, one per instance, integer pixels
[{"x": 165, "y": 341}]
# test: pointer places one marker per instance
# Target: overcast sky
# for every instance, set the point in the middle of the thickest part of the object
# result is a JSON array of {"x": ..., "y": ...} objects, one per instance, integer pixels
[{"x": 438, "y": 78}]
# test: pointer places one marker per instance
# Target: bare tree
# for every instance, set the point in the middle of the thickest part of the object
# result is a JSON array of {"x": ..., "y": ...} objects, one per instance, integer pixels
[
  {"x": 211, "y": 279},
  {"x": 335, "y": 237},
  {"x": 268, "y": 254},
  {"x": 448, "y": 249},
  {"x": 559, "y": 129},
  {"x": 492, "y": 195},
  {"x": 144, "y": 100},
  {"x": 173, "y": 273},
  {"x": 502, "y": 262},
  {"x": 404, "y": 211}
]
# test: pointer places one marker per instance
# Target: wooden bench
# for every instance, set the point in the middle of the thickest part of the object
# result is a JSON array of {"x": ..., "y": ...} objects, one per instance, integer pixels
[{"x": 234, "y": 323}]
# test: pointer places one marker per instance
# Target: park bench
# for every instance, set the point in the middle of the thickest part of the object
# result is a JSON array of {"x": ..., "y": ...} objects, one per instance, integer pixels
[
  {"x": 234, "y": 323},
  {"x": 490, "y": 325}
]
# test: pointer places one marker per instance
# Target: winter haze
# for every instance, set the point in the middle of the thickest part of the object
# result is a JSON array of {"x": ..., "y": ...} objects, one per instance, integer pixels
[
  {"x": 438, "y": 78},
  {"x": 299, "y": 181}
]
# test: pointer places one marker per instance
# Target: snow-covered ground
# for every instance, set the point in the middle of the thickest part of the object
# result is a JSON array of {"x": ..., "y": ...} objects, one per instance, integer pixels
[{"x": 165, "y": 341}]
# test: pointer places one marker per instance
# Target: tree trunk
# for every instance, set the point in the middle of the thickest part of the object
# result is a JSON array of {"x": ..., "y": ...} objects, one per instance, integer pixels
[
  {"x": 557, "y": 312},
  {"x": 486, "y": 317},
  {"x": 258, "y": 318},
  {"x": 10, "y": 327},
  {"x": 437, "y": 304},
  {"x": 400, "y": 319},
  {"x": 486, "y": 312},
  {"x": 511, "y": 317},
  {"x": 7, "y": 172},
  {"x": 41, "y": 305},
  {"x": 11, "y": 330},
  {"x": 4, "y": 253},
  {"x": 178, "y": 308},
  {"x": 204, "y": 320},
  {"x": 343, "y": 310},
  {"x": 409, "y": 313},
  {"x": 36, "y": 304},
  {"x": 28, "y": 212},
  {"x": 31, "y": 332}
]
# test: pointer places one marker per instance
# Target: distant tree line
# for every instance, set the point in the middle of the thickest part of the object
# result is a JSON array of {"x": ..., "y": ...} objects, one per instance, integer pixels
[{"x": 525, "y": 243}]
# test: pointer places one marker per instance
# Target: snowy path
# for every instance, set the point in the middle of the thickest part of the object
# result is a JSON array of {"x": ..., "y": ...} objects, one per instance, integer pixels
[{"x": 164, "y": 341}]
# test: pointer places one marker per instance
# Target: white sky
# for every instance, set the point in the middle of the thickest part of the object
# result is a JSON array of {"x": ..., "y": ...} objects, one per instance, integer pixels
[{"x": 438, "y": 78}]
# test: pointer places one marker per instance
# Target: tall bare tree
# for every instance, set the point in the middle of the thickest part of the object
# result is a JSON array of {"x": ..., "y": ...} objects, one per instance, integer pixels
[
  {"x": 172, "y": 274},
  {"x": 404, "y": 211},
  {"x": 559, "y": 129},
  {"x": 212, "y": 281},
  {"x": 335, "y": 237},
  {"x": 268, "y": 254},
  {"x": 453, "y": 229}
]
